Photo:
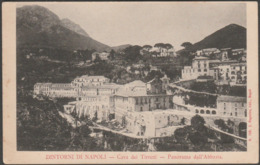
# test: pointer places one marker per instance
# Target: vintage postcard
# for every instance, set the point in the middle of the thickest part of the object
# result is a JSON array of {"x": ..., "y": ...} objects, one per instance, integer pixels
[{"x": 130, "y": 82}]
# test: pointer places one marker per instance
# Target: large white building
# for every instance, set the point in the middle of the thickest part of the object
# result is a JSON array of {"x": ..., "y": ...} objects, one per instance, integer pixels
[
  {"x": 207, "y": 51},
  {"x": 232, "y": 106},
  {"x": 199, "y": 67},
  {"x": 223, "y": 70},
  {"x": 86, "y": 80},
  {"x": 75, "y": 88},
  {"x": 162, "y": 52}
]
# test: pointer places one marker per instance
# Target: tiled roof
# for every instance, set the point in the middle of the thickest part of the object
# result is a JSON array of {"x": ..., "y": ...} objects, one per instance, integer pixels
[
  {"x": 136, "y": 83},
  {"x": 238, "y": 64},
  {"x": 201, "y": 58},
  {"x": 231, "y": 99}
]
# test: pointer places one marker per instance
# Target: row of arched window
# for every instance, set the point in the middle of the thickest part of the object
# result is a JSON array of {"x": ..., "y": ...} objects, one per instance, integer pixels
[{"x": 206, "y": 112}]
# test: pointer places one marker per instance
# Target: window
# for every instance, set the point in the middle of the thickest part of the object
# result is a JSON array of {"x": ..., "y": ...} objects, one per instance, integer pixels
[
  {"x": 205, "y": 70},
  {"x": 207, "y": 112},
  {"x": 136, "y": 101},
  {"x": 242, "y": 104},
  {"x": 235, "y": 113},
  {"x": 141, "y": 109},
  {"x": 202, "y": 111},
  {"x": 199, "y": 70},
  {"x": 197, "y": 111},
  {"x": 214, "y": 112}
]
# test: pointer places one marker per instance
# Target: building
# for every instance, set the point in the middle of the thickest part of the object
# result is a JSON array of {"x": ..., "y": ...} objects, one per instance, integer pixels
[
  {"x": 95, "y": 101},
  {"x": 99, "y": 107},
  {"x": 86, "y": 80},
  {"x": 232, "y": 106},
  {"x": 238, "y": 74},
  {"x": 162, "y": 52},
  {"x": 139, "y": 97},
  {"x": 101, "y": 55},
  {"x": 157, "y": 85},
  {"x": 55, "y": 89},
  {"x": 62, "y": 90},
  {"x": 105, "y": 89},
  {"x": 199, "y": 67},
  {"x": 237, "y": 52},
  {"x": 207, "y": 52},
  {"x": 155, "y": 123},
  {"x": 42, "y": 88},
  {"x": 73, "y": 89},
  {"x": 222, "y": 69},
  {"x": 104, "y": 55}
]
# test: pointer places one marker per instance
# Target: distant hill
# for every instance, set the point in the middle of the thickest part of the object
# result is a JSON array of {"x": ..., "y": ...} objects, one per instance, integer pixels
[
  {"x": 73, "y": 27},
  {"x": 120, "y": 47},
  {"x": 39, "y": 27},
  {"x": 231, "y": 36}
]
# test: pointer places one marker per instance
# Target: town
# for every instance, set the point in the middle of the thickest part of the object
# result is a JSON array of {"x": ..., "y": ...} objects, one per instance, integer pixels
[
  {"x": 158, "y": 107},
  {"x": 138, "y": 82}
]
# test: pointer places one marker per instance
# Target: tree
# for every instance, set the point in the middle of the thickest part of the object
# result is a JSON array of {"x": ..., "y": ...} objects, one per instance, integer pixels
[
  {"x": 183, "y": 121},
  {"x": 69, "y": 57},
  {"x": 148, "y": 47},
  {"x": 197, "y": 122},
  {"x": 159, "y": 45},
  {"x": 95, "y": 117},
  {"x": 221, "y": 124},
  {"x": 186, "y": 45},
  {"x": 198, "y": 139},
  {"x": 112, "y": 54},
  {"x": 132, "y": 53},
  {"x": 168, "y": 46},
  {"x": 181, "y": 134},
  {"x": 87, "y": 54},
  {"x": 40, "y": 127},
  {"x": 230, "y": 123},
  {"x": 97, "y": 59}
]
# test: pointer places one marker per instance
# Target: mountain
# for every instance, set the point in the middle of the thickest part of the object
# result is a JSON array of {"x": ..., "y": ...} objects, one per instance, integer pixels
[
  {"x": 120, "y": 47},
  {"x": 39, "y": 27},
  {"x": 73, "y": 27},
  {"x": 231, "y": 36}
]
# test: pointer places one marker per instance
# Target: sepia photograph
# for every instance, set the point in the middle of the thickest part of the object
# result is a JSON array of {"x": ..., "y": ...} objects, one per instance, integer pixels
[{"x": 144, "y": 77}]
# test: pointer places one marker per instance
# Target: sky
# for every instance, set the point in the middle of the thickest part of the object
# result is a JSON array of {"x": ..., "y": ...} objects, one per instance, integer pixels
[{"x": 140, "y": 23}]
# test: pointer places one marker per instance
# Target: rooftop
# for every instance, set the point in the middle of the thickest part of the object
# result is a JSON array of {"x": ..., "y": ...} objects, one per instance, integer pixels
[
  {"x": 201, "y": 58},
  {"x": 104, "y": 86},
  {"x": 136, "y": 83},
  {"x": 238, "y": 49},
  {"x": 222, "y": 62},
  {"x": 209, "y": 49},
  {"x": 238, "y": 64},
  {"x": 166, "y": 111},
  {"x": 225, "y": 98}
]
